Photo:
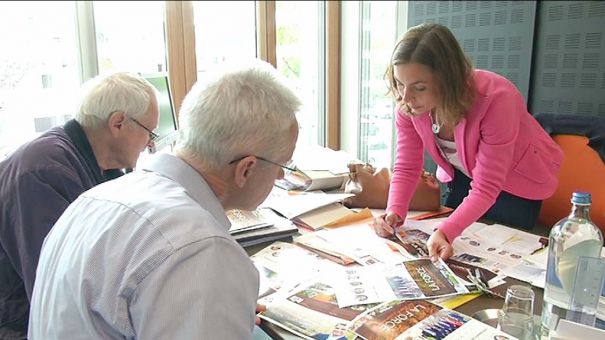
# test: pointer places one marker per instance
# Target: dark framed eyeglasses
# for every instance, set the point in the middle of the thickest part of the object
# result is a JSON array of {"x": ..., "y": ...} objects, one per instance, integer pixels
[
  {"x": 288, "y": 166},
  {"x": 152, "y": 135}
]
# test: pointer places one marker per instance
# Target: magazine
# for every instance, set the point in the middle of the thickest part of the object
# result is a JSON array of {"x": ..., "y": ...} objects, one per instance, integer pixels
[
  {"x": 286, "y": 265},
  {"x": 414, "y": 279},
  {"x": 352, "y": 243},
  {"x": 317, "y": 168},
  {"x": 244, "y": 220},
  {"x": 311, "y": 311},
  {"x": 496, "y": 248},
  {"x": 420, "y": 319},
  {"x": 259, "y": 226},
  {"x": 293, "y": 204},
  {"x": 412, "y": 244}
]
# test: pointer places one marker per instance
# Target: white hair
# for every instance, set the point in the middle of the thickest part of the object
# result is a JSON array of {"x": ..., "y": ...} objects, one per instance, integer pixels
[
  {"x": 244, "y": 111},
  {"x": 105, "y": 94}
]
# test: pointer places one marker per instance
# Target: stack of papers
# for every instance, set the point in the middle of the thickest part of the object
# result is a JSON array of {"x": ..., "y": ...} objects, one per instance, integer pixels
[
  {"x": 310, "y": 180},
  {"x": 353, "y": 243},
  {"x": 313, "y": 297},
  {"x": 311, "y": 311},
  {"x": 293, "y": 204},
  {"x": 243, "y": 220},
  {"x": 259, "y": 226},
  {"x": 331, "y": 215},
  {"x": 318, "y": 168}
]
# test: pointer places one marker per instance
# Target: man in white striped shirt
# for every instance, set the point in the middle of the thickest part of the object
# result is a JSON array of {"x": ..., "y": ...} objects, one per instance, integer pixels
[{"x": 149, "y": 256}]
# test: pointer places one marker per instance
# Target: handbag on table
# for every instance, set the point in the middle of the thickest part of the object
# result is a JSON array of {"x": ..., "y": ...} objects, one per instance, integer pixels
[{"x": 371, "y": 189}]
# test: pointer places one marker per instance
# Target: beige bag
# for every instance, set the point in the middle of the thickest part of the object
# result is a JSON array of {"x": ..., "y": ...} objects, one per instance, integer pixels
[{"x": 371, "y": 189}]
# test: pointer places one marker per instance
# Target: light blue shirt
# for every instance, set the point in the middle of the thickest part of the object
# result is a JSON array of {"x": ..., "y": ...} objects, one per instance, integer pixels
[{"x": 145, "y": 256}]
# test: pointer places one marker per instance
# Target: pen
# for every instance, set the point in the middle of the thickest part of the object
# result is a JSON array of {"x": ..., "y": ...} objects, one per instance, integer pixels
[
  {"x": 479, "y": 274},
  {"x": 537, "y": 250}
]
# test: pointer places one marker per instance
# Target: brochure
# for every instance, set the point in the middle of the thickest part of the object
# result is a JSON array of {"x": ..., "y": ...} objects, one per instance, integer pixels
[
  {"x": 420, "y": 319},
  {"x": 355, "y": 242},
  {"x": 412, "y": 243},
  {"x": 331, "y": 215},
  {"x": 496, "y": 248},
  {"x": 414, "y": 279},
  {"x": 311, "y": 312},
  {"x": 285, "y": 265},
  {"x": 243, "y": 220},
  {"x": 259, "y": 226},
  {"x": 317, "y": 168},
  {"x": 291, "y": 204}
]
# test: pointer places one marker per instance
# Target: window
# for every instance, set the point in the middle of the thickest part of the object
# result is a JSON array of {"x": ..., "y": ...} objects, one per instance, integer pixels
[
  {"x": 130, "y": 36},
  {"x": 224, "y": 31},
  {"x": 378, "y": 28},
  {"x": 300, "y": 38},
  {"x": 39, "y": 74}
]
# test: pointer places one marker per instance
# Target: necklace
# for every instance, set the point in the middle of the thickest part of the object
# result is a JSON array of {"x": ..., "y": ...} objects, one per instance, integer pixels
[{"x": 436, "y": 126}]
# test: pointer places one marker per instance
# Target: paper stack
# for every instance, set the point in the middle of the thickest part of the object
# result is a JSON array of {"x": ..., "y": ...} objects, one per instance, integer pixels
[
  {"x": 259, "y": 226},
  {"x": 318, "y": 168}
]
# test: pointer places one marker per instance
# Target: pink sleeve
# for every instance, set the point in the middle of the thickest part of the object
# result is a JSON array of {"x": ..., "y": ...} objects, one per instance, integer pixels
[
  {"x": 499, "y": 128},
  {"x": 407, "y": 167}
]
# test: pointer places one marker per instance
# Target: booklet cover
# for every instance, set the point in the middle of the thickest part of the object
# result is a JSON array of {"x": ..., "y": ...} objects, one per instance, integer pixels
[
  {"x": 259, "y": 226},
  {"x": 284, "y": 265},
  {"x": 310, "y": 180},
  {"x": 411, "y": 242},
  {"x": 420, "y": 319},
  {"x": 351, "y": 243},
  {"x": 415, "y": 279},
  {"x": 244, "y": 220},
  {"x": 291, "y": 204},
  {"x": 311, "y": 312}
]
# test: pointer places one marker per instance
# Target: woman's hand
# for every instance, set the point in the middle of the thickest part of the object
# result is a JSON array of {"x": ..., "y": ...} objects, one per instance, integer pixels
[
  {"x": 438, "y": 246},
  {"x": 259, "y": 309},
  {"x": 385, "y": 224}
]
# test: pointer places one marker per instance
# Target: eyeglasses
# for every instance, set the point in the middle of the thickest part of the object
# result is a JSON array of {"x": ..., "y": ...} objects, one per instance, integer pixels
[
  {"x": 288, "y": 166},
  {"x": 152, "y": 135}
]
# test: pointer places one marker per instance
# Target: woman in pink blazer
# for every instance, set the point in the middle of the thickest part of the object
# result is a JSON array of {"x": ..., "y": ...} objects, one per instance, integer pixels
[{"x": 497, "y": 160}]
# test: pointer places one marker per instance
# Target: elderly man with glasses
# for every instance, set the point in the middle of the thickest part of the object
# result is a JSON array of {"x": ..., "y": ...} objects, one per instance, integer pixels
[
  {"x": 149, "y": 255},
  {"x": 40, "y": 179}
]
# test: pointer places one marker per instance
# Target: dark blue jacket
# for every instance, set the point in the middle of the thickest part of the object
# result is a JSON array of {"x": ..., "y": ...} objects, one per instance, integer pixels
[{"x": 37, "y": 183}]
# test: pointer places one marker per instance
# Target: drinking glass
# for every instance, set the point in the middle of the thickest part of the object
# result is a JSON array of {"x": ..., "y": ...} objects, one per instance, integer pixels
[{"x": 517, "y": 315}]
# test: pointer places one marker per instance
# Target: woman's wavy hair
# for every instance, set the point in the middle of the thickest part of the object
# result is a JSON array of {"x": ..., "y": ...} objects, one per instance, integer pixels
[{"x": 435, "y": 46}]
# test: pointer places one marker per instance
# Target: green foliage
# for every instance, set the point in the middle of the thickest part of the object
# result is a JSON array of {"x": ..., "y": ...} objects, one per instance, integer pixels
[
  {"x": 286, "y": 35},
  {"x": 292, "y": 67}
]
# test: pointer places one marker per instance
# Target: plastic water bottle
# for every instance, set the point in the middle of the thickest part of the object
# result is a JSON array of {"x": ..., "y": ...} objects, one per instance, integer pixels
[{"x": 571, "y": 238}]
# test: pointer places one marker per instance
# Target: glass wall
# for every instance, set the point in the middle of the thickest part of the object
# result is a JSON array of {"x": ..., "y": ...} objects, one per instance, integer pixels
[
  {"x": 300, "y": 39},
  {"x": 53, "y": 46},
  {"x": 130, "y": 36},
  {"x": 224, "y": 31},
  {"x": 39, "y": 74},
  {"x": 378, "y": 35}
]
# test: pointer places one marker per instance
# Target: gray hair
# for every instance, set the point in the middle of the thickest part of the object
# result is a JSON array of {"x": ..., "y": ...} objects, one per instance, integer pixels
[
  {"x": 105, "y": 94},
  {"x": 245, "y": 111}
]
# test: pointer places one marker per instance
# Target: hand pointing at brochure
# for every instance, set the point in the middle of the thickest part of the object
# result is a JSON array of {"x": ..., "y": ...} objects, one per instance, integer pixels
[{"x": 439, "y": 247}]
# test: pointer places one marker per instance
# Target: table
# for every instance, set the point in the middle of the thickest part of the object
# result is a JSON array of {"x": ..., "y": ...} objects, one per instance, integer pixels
[{"x": 482, "y": 302}]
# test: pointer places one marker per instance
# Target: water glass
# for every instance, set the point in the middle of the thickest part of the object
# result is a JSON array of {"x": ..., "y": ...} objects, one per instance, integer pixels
[{"x": 517, "y": 315}]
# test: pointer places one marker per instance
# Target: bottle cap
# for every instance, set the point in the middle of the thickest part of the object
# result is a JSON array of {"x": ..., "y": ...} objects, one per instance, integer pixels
[{"x": 580, "y": 198}]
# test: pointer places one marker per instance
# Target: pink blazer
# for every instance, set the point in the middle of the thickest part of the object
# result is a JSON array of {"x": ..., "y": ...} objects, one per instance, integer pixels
[{"x": 500, "y": 145}]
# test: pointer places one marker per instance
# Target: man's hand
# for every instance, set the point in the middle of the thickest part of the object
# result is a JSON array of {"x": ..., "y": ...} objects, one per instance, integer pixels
[
  {"x": 259, "y": 309},
  {"x": 385, "y": 224},
  {"x": 439, "y": 247}
]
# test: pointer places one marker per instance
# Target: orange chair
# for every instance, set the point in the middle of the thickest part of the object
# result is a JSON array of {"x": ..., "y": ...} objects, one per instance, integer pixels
[{"x": 582, "y": 139}]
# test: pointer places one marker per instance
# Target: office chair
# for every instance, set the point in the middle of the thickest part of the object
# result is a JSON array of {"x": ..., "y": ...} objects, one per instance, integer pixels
[{"x": 582, "y": 139}]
